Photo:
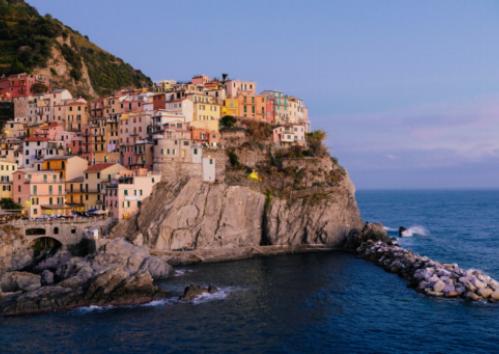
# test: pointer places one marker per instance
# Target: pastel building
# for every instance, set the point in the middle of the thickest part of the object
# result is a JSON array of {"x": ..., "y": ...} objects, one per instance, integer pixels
[
  {"x": 33, "y": 150},
  {"x": 235, "y": 88},
  {"x": 7, "y": 170},
  {"x": 259, "y": 108},
  {"x": 123, "y": 196},
  {"x": 68, "y": 167},
  {"x": 39, "y": 192},
  {"x": 290, "y": 134},
  {"x": 96, "y": 176},
  {"x": 20, "y": 85}
]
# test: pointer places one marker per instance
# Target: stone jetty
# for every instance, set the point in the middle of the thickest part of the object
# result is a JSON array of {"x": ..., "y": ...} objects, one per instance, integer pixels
[{"x": 424, "y": 274}]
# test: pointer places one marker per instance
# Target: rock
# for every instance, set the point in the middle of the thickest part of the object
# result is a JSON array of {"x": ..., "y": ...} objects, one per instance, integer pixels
[
  {"x": 119, "y": 273},
  {"x": 158, "y": 268},
  {"x": 198, "y": 216},
  {"x": 467, "y": 282},
  {"x": 495, "y": 295},
  {"x": 478, "y": 283},
  {"x": 439, "y": 286},
  {"x": 47, "y": 277},
  {"x": 15, "y": 281},
  {"x": 401, "y": 230},
  {"x": 472, "y": 296},
  {"x": 193, "y": 291},
  {"x": 485, "y": 292}
]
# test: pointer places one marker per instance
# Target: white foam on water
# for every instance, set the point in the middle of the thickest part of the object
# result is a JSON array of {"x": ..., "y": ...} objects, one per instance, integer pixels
[
  {"x": 390, "y": 229},
  {"x": 415, "y": 230},
  {"x": 220, "y": 294},
  {"x": 93, "y": 308},
  {"x": 160, "y": 302},
  {"x": 181, "y": 272}
]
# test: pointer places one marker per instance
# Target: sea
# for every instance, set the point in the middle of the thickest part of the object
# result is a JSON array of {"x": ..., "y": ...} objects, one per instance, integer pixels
[{"x": 308, "y": 303}]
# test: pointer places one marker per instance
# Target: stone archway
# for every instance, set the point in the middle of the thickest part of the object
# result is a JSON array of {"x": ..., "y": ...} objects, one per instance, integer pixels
[{"x": 44, "y": 247}]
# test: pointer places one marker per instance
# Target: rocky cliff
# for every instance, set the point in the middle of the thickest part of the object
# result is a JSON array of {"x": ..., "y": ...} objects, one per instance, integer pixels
[{"x": 190, "y": 215}]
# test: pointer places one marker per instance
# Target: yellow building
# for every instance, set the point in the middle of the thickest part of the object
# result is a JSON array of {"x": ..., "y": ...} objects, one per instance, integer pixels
[
  {"x": 69, "y": 168},
  {"x": 75, "y": 194},
  {"x": 205, "y": 112},
  {"x": 6, "y": 171},
  {"x": 96, "y": 177},
  {"x": 230, "y": 107}
]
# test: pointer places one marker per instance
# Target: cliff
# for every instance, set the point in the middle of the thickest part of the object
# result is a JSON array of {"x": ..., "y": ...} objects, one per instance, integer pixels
[
  {"x": 43, "y": 45},
  {"x": 297, "y": 201}
]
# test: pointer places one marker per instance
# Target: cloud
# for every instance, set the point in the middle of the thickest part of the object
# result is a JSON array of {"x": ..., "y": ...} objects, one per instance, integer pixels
[
  {"x": 467, "y": 131},
  {"x": 447, "y": 136}
]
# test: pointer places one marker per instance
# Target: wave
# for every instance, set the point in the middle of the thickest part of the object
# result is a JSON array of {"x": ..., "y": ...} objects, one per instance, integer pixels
[
  {"x": 154, "y": 303},
  {"x": 93, "y": 308},
  {"x": 181, "y": 272},
  {"x": 415, "y": 230},
  {"x": 220, "y": 294}
]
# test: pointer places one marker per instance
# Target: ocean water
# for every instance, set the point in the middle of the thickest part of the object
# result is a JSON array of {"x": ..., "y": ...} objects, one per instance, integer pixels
[{"x": 313, "y": 303}]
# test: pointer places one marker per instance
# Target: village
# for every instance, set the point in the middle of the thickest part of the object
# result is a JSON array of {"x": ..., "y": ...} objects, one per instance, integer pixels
[{"x": 64, "y": 157}]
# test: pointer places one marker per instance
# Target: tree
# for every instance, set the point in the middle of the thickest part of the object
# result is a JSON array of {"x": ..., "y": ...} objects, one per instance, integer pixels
[
  {"x": 227, "y": 122},
  {"x": 315, "y": 141}
]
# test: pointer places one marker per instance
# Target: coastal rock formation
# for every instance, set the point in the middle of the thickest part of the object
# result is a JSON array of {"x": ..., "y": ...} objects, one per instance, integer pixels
[
  {"x": 193, "y": 291},
  {"x": 426, "y": 275},
  {"x": 118, "y": 273},
  {"x": 192, "y": 215},
  {"x": 15, "y": 250}
]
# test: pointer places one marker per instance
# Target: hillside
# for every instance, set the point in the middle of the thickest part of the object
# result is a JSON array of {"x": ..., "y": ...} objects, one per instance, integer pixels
[{"x": 39, "y": 44}]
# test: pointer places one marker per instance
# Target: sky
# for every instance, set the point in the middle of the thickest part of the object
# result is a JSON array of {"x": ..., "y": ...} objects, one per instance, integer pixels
[{"x": 407, "y": 91}]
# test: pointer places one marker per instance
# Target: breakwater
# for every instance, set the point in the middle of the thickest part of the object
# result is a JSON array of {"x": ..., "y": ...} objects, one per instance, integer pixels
[{"x": 429, "y": 276}]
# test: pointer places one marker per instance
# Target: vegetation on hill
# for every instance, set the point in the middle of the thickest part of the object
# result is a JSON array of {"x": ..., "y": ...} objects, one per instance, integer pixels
[{"x": 33, "y": 43}]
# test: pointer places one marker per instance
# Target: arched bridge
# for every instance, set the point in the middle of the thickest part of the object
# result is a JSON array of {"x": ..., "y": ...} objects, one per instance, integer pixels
[{"x": 65, "y": 231}]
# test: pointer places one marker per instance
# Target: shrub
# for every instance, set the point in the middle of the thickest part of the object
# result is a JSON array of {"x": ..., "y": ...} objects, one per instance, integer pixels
[
  {"x": 9, "y": 204},
  {"x": 315, "y": 141},
  {"x": 233, "y": 158},
  {"x": 227, "y": 122}
]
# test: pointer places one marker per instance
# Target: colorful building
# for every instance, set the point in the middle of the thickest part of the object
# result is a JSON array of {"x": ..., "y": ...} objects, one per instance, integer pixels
[
  {"x": 39, "y": 192},
  {"x": 96, "y": 176},
  {"x": 7, "y": 169},
  {"x": 21, "y": 85},
  {"x": 123, "y": 196}
]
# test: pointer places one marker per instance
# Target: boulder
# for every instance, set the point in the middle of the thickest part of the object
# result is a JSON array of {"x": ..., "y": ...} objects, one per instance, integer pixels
[
  {"x": 470, "y": 295},
  {"x": 485, "y": 292},
  {"x": 19, "y": 281},
  {"x": 158, "y": 268},
  {"x": 495, "y": 295},
  {"x": 193, "y": 291},
  {"x": 439, "y": 286},
  {"x": 47, "y": 277}
]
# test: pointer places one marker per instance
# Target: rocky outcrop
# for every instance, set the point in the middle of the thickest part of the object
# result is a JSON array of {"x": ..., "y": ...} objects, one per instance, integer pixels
[
  {"x": 424, "y": 274},
  {"x": 118, "y": 273},
  {"x": 15, "y": 250},
  {"x": 194, "y": 291},
  {"x": 192, "y": 215}
]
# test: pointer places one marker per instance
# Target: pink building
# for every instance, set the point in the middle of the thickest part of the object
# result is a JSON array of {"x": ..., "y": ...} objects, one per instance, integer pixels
[
  {"x": 123, "y": 197},
  {"x": 19, "y": 85},
  {"x": 39, "y": 192}
]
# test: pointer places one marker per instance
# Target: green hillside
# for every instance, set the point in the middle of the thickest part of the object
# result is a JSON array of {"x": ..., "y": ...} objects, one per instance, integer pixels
[{"x": 41, "y": 44}]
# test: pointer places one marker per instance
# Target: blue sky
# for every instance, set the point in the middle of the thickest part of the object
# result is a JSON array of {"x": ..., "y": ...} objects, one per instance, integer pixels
[{"x": 408, "y": 91}]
